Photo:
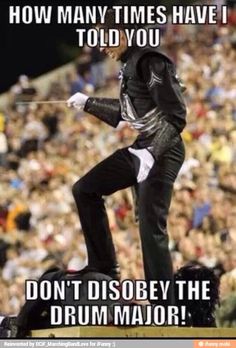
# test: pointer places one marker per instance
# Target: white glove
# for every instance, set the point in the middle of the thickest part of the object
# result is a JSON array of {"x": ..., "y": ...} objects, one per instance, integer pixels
[
  {"x": 146, "y": 162},
  {"x": 78, "y": 101}
]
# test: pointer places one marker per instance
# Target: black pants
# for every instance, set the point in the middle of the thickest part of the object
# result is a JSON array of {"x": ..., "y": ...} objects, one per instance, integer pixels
[{"x": 117, "y": 172}]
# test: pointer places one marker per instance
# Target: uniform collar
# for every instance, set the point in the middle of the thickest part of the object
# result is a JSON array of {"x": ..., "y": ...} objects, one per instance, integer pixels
[{"x": 126, "y": 55}]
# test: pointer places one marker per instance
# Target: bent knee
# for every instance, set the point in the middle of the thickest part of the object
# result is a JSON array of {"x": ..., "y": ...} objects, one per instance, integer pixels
[
  {"x": 83, "y": 190},
  {"x": 78, "y": 188}
]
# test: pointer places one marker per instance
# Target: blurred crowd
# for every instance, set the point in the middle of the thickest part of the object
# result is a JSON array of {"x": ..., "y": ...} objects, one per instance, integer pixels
[{"x": 44, "y": 149}]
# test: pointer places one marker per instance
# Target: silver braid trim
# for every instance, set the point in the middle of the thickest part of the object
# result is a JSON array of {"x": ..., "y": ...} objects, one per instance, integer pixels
[{"x": 148, "y": 124}]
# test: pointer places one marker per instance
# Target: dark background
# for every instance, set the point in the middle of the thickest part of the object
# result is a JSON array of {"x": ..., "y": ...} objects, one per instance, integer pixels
[{"x": 35, "y": 49}]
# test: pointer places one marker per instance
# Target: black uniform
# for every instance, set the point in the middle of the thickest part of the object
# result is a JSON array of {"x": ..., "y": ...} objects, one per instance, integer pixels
[{"x": 151, "y": 101}]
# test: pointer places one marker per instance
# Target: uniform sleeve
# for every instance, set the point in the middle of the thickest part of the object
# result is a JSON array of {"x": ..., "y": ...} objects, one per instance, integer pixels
[
  {"x": 106, "y": 109},
  {"x": 152, "y": 71},
  {"x": 165, "y": 88}
]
